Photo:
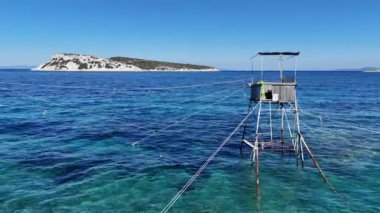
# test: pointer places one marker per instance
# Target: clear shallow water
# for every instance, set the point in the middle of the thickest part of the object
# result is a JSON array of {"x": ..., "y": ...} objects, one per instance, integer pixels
[{"x": 74, "y": 152}]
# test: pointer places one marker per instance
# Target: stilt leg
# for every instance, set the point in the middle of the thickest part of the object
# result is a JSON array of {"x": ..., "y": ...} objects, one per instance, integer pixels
[
  {"x": 302, "y": 157},
  {"x": 241, "y": 148},
  {"x": 243, "y": 137},
  {"x": 257, "y": 171},
  {"x": 282, "y": 128},
  {"x": 317, "y": 165},
  {"x": 256, "y": 151},
  {"x": 270, "y": 124},
  {"x": 257, "y": 163},
  {"x": 245, "y": 128},
  {"x": 300, "y": 147}
]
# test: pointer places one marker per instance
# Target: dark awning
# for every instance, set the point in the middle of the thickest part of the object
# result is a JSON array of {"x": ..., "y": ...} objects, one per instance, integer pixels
[{"x": 279, "y": 53}]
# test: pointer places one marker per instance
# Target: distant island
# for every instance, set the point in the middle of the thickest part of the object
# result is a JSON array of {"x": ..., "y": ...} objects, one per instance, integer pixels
[
  {"x": 371, "y": 69},
  {"x": 363, "y": 69},
  {"x": 79, "y": 62}
]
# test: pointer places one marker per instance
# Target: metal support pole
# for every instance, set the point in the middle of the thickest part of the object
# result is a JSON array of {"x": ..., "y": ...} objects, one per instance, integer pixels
[
  {"x": 242, "y": 143},
  {"x": 281, "y": 69},
  {"x": 262, "y": 67},
  {"x": 282, "y": 127},
  {"x": 301, "y": 149},
  {"x": 258, "y": 122},
  {"x": 256, "y": 151},
  {"x": 295, "y": 133},
  {"x": 298, "y": 152},
  {"x": 270, "y": 122},
  {"x": 245, "y": 128},
  {"x": 317, "y": 165},
  {"x": 299, "y": 135},
  {"x": 295, "y": 68},
  {"x": 257, "y": 172},
  {"x": 258, "y": 126},
  {"x": 252, "y": 71}
]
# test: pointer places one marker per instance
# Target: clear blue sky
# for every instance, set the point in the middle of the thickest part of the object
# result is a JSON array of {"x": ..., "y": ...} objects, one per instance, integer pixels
[{"x": 329, "y": 33}]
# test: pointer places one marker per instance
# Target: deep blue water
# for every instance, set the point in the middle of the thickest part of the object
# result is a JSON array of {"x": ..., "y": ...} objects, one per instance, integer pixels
[{"x": 66, "y": 144}]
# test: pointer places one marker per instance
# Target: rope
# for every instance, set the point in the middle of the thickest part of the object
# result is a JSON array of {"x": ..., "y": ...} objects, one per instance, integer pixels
[
  {"x": 184, "y": 118},
  {"x": 78, "y": 110},
  {"x": 290, "y": 129},
  {"x": 181, "y": 116},
  {"x": 339, "y": 122},
  {"x": 84, "y": 112},
  {"x": 309, "y": 128},
  {"x": 191, "y": 180},
  {"x": 321, "y": 118},
  {"x": 203, "y": 96},
  {"x": 180, "y": 102},
  {"x": 127, "y": 89},
  {"x": 190, "y": 86}
]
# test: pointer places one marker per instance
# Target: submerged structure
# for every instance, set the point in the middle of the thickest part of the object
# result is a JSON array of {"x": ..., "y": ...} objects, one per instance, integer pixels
[{"x": 275, "y": 112}]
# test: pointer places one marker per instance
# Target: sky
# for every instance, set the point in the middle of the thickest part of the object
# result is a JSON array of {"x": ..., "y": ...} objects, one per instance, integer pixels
[{"x": 330, "y": 34}]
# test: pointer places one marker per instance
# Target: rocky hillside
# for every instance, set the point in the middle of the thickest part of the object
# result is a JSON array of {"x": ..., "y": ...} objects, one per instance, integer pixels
[
  {"x": 77, "y": 62},
  {"x": 158, "y": 65},
  {"x": 371, "y": 69}
]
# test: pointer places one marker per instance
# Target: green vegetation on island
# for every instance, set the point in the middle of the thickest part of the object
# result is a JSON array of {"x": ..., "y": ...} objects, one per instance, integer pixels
[{"x": 152, "y": 65}]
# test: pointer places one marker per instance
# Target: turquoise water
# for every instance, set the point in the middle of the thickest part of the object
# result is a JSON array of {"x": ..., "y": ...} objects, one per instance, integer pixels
[{"x": 66, "y": 144}]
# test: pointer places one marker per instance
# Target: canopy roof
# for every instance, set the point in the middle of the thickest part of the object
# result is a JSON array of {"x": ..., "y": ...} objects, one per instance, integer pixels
[{"x": 279, "y": 53}]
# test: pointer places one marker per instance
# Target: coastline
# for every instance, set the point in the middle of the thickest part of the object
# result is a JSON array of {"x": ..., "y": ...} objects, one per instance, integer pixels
[
  {"x": 115, "y": 70},
  {"x": 372, "y": 71},
  {"x": 85, "y": 63}
]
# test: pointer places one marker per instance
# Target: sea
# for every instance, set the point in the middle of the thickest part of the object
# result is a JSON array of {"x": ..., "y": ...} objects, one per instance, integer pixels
[{"x": 129, "y": 141}]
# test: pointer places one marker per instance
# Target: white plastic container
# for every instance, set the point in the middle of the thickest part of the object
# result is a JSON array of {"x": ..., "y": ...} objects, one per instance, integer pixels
[{"x": 275, "y": 97}]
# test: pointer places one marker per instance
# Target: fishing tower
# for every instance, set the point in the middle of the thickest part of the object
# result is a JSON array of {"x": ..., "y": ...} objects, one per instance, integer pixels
[{"x": 275, "y": 113}]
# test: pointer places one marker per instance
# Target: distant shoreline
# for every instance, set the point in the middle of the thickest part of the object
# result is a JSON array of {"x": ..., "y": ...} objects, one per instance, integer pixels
[
  {"x": 130, "y": 71},
  {"x": 80, "y": 62},
  {"x": 224, "y": 70},
  {"x": 371, "y": 71}
]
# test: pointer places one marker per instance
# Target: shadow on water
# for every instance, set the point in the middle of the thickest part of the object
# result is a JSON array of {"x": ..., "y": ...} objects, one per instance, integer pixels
[
  {"x": 35, "y": 128},
  {"x": 62, "y": 168}
]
